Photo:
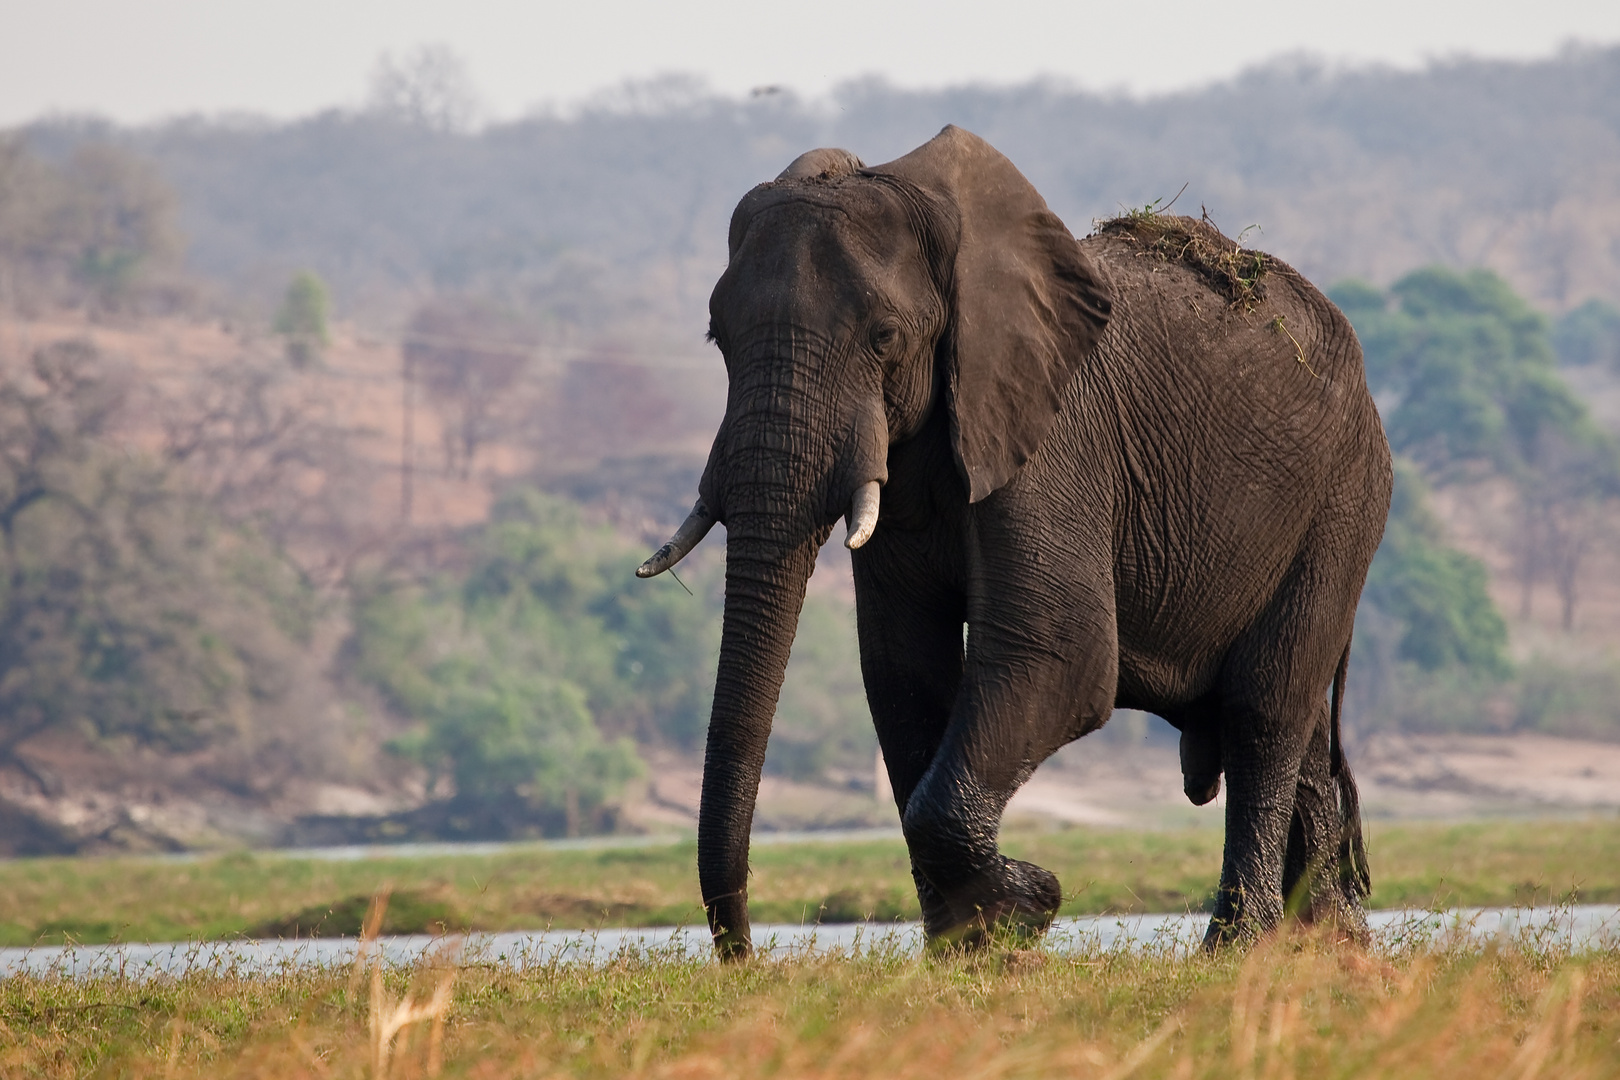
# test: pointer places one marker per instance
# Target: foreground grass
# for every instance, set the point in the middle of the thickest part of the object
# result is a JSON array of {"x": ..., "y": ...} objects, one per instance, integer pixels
[
  {"x": 133, "y": 899},
  {"x": 1293, "y": 1007}
]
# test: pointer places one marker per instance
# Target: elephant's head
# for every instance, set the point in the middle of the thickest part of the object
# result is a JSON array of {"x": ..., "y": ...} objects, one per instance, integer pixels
[{"x": 856, "y": 301}]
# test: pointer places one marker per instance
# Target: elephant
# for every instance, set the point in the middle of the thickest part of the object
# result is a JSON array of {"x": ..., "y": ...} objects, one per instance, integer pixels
[{"x": 1140, "y": 470}]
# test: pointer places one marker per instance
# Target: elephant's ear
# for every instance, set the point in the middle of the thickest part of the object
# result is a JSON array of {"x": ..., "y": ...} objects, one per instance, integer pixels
[{"x": 1027, "y": 307}]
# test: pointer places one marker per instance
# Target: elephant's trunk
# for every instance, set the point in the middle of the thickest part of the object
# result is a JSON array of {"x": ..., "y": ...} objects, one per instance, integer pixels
[
  {"x": 764, "y": 592},
  {"x": 780, "y": 475}
]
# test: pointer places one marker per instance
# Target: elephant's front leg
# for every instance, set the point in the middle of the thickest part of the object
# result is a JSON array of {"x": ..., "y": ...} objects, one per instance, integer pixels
[
  {"x": 910, "y": 621},
  {"x": 1039, "y": 670}
]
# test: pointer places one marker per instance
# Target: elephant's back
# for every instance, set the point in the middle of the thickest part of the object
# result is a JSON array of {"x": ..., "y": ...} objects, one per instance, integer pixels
[
  {"x": 1240, "y": 423},
  {"x": 1226, "y": 302},
  {"x": 1229, "y": 347}
]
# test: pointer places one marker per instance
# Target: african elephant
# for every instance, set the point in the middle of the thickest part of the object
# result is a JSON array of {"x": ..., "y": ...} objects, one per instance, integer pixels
[{"x": 1143, "y": 470}]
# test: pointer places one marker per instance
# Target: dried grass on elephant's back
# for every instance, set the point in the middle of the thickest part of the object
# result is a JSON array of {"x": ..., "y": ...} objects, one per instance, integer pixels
[{"x": 1237, "y": 273}]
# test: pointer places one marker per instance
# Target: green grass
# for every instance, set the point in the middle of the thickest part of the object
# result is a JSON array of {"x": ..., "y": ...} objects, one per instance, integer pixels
[
  {"x": 1295, "y": 1006},
  {"x": 1103, "y": 870}
]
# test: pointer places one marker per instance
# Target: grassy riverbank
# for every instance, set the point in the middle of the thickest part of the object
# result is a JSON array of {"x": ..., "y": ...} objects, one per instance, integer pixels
[
  {"x": 138, "y": 899},
  {"x": 1293, "y": 1007}
]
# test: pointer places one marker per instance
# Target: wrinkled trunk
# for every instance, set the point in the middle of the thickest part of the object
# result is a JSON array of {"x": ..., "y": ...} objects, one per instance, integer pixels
[
  {"x": 765, "y": 584},
  {"x": 768, "y": 478},
  {"x": 785, "y": 464}
]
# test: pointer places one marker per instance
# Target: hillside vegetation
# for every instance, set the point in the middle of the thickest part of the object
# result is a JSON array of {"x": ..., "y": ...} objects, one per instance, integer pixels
[
  {"x": 615, "y": 217},
  {"x": 327, "y": 447}
]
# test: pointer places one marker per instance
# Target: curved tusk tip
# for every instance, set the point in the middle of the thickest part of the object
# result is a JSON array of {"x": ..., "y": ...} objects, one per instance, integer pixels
[{"x": 862, "y": 518}]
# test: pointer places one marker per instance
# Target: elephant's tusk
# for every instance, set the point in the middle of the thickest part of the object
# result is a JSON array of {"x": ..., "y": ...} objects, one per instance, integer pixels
[
  {"x": 863, "y": 515},
  {"x": 692, "y": 530}
]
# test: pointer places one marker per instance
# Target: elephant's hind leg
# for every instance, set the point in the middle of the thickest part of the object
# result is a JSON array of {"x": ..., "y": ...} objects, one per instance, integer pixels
[
  {"x": 1321, "y": 881},
  {"x": 1273, "y": 700}
]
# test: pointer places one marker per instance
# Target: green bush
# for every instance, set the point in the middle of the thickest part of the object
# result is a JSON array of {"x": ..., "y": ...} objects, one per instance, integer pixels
[
  {"x": 1579, "y": 701},
  {"x": 302, "y": 318},
  {"x": 502, "y": 734},
  {"x": 1589, "y": 334},
  {"x": 527, "y": 674},
  {"x": 129, "y": 609},
  {"x": 1438, "y": 595}
]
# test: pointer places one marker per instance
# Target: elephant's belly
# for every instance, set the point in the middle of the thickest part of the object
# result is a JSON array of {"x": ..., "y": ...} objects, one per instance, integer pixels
[
  {"x": 1173, "y": 641},
  {"x": 1156, "y": 683}
]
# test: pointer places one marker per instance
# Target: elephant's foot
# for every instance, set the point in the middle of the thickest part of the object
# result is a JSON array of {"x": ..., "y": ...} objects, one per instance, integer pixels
[
  {"x": 1335, "y": 909},
  {"x": 1242, "y": 925},
  {"x": 1014, "y": 898},
  {"x": 1241, "y": 918},
  {"x": 1325, "y": 873}
]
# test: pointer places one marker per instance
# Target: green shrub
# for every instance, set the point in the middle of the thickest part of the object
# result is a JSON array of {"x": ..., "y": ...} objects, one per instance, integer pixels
[
  {"x": 513, "y": 671},
  {"x": 302, "y": 318},
  {"x": 527, "y": 674},
  {"x": 1438, "y": 595},
  {"x": 1577, "y": 701},
  {"x": 1589, "y": 334}
]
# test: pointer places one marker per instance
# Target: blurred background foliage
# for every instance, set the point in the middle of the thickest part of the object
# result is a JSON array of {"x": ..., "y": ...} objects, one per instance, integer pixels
[
  {"x": 302, "y": 318},
  {"x": 1466, "y": 374},
  {"x": 133, "y": 612},
  {"x": 97, "y": 225},
  {"x": 1589, "y": 335},
  {"x": 210, "y": 566},
  {"x": 1435, "y": 594},
  {"x": 534, "y": 673}
]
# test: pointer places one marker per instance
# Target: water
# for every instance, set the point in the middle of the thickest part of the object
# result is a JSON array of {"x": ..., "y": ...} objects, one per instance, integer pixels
[{"x": 1568, "y": 928}]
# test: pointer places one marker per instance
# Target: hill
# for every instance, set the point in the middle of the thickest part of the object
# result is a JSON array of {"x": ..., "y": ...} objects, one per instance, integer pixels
[
  {"x": 392, "y": 574},
  {"x": 612, "y": 221}
]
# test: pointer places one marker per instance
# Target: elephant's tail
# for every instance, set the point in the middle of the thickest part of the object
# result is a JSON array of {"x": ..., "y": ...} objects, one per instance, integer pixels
[
  {"x": 1335, "y": 707},
  {"x": 1353, "y": 869}
]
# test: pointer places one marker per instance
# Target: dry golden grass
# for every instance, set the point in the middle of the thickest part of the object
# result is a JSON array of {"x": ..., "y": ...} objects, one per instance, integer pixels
[{"x": 1296, "y": 1006}]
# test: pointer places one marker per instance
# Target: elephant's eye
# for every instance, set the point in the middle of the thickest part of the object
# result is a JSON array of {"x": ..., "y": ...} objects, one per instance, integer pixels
[{"x": 883, "y": 337}]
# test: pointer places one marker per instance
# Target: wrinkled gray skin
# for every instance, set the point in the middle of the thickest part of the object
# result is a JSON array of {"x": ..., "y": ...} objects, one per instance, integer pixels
[{"x": 1131, "y": 494}]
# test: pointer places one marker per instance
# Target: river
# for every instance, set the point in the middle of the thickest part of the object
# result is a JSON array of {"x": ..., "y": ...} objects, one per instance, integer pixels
[{"x": 1568, "y": 928}]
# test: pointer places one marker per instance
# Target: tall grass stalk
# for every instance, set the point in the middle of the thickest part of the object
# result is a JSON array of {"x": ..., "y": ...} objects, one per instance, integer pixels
[{"x": 389, "y": 1017}]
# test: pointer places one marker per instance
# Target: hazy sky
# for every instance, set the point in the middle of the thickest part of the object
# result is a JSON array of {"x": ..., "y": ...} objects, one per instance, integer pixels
[{"x": 137, "y": 60}]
